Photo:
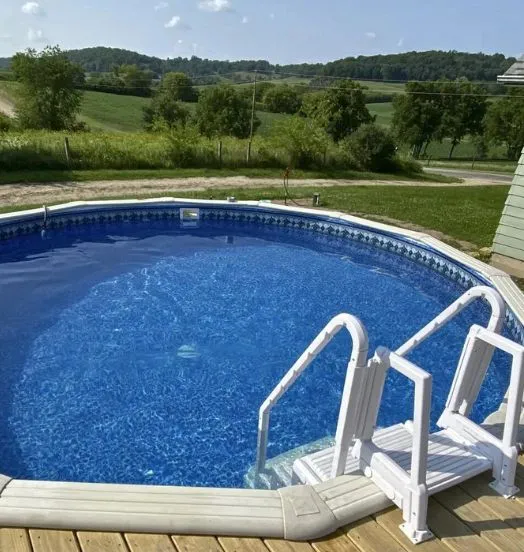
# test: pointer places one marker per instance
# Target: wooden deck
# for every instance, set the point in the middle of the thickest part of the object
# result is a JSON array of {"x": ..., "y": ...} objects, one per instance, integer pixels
[{"x": 467, "y": 518}]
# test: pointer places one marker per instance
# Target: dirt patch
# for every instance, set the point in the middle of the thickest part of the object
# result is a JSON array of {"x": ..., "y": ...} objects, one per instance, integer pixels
[{"x": 61, "y": 192}]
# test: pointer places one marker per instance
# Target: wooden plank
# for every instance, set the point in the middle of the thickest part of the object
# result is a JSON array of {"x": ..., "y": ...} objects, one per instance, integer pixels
[
  {"x": 481, "y": 519},
  {"x": 244, "y": 544},
  {"x": 45, "y": 540},
  {"x": 101, "y": 542},
  {"x": 509, "y": 510},
  {"x": 14, "y": 540},
  {"x": 453, "y": 532},
  {"x": 369, "y": 536},
  {"x": 279, "y": 545},
  {"x": 149, "y": 543},
  {"x": 390, "y": 520},
  {"x": 190, "y": 543},
  {"x": 338, "y": 542}
]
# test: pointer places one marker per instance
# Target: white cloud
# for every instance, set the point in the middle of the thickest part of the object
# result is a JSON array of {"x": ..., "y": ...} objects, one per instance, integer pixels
[
  {"x": 35, "y": 35},
  {"x": 5, "y": 37},
  {"x": 400, "y": 43},
  {"x": 176, "y": 21},
  {"x": 180, "y": 41},
  {"x": 271, "y": 16},
  {"x": 245, "y": 19},
  {"x": 161, "y": 6},
  {"x": 32, "y": 8},
  {"x": 215, "y": 5},
  {"x": 371, "y": 35}
]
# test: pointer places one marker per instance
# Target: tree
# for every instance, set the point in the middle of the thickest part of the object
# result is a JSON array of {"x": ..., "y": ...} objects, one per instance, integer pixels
[
  {"x": 505, "y": 122},
  {"x": 371, "y": 148},
  {"x": 303, "y": 141},
  {"x": 463, "y": 108},
  {"x": 137, "y": 80},
  {"x": 339, "y": 110},
  {"x": 167, "y": 110},
  {"x": 417, "y": 115},
  {"x": 282, "y": 99},
  {"x": 48, "y": 97},
  {"x": 221, "y": 111},
  {"x": 178, "y": 87}
]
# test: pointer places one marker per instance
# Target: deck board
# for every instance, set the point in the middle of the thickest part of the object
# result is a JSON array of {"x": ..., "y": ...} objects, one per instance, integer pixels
[
  {"x": 14, "y": 540},
  {"x": 238, "y": 544},
  {"x": 53, "y": 541},
  {"x": 481, "y": 520},
  {"x": 454, "y": 532},
  {"x": 149, "y": 543},
  {"x": 277, "y": 545},
  {"x": 511, "y": 511},
  {"x": 189, "y": 543},
  {"x": 339, "y": 542},
  {"x": 369, "y": 536},
  {"x": 390, "y": 520},
  {"x": 101, "y": 542}
]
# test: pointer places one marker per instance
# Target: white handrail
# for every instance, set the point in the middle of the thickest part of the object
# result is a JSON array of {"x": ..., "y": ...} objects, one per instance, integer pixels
[
  {"x": 357, "y": 361},
  {"x": 498, "y": 311}
]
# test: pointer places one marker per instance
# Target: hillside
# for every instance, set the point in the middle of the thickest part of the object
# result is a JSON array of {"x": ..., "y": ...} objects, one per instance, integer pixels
[{"x": 431, "y": 65}]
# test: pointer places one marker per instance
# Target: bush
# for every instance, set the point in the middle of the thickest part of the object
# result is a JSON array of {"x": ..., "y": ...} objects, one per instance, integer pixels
[
  {"x": 371, "y": 148},
  {"x": 5, "y": 123},
  {"x": 282, "y": 99},
  {"x": 181, "y": 147}
]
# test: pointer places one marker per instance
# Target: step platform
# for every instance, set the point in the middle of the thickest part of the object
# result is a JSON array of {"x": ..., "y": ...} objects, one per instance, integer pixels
[{"x": 449, "y": 461}]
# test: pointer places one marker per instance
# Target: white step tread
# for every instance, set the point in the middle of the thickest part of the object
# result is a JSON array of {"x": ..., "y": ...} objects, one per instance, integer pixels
[{"x": 449, "y": 462}]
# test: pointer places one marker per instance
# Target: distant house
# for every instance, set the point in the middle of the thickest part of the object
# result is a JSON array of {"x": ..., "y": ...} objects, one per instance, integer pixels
[
  {"x": 514, "y": 75},
  {"x": 508, "y": 246}
]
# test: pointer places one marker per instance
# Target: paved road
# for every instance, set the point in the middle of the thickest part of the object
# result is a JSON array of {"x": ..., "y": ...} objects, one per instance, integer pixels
[{"x": 474, "y": 175}]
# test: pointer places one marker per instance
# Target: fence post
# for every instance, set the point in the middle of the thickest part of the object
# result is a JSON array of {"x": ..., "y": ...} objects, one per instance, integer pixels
[
  {"x": 66, "y": 149},
  {"x": 248, "y": 157},
  {"x": 220, "y": 153}
]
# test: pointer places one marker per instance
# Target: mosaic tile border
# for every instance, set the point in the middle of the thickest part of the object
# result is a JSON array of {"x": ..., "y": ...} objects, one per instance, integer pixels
[{"x": 244, "y": 214}]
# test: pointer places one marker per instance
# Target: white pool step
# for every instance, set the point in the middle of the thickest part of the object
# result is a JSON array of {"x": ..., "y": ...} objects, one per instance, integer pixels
[{"x": 449, "y": 462}]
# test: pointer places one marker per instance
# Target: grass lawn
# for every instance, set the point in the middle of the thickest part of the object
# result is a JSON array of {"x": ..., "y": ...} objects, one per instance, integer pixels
[
  {"x": 488, "y": 166},
  {"x": 470, "y": 214}
]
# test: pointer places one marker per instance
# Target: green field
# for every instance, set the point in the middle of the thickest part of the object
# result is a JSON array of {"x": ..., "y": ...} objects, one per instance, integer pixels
[
  {"x": 110, "y": 112},
  {"x": 383, "y": 113}
]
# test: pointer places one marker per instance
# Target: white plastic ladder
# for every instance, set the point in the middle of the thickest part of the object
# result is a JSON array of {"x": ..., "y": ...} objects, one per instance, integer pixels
[{"x": 405, "y": 461}]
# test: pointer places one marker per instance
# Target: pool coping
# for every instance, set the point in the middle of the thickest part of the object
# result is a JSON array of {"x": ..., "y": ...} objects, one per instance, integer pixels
[{"x": 295, "y": 513}]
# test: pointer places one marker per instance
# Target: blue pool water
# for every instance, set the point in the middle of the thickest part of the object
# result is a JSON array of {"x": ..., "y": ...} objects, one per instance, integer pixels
[{"x": 140, "y": 353}]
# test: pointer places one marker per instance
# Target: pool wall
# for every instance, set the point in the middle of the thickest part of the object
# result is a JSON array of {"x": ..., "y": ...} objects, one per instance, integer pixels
[{"x": 297, "y": 513}]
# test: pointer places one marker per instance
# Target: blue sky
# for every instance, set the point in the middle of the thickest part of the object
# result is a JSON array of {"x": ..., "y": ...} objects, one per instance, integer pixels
[{"x": 285, "y": 31}]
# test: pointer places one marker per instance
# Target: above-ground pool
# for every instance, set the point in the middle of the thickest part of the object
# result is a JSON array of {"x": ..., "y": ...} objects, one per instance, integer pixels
[{"x": 137, "y": 350}]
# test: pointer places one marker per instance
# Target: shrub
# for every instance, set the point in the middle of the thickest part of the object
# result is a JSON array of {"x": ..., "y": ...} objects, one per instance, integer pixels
[
  {"x": 5, "y": 123},
  {"x": 282, "y": 99},
  {"x": 371, "y": 148}
]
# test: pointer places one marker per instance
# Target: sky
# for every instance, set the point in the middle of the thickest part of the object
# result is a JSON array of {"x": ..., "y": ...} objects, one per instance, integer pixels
[{"x": 284, "y": 31}]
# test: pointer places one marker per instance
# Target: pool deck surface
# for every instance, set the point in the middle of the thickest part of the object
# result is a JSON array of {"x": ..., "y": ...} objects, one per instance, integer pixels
[{"x": 469, "y": 517}]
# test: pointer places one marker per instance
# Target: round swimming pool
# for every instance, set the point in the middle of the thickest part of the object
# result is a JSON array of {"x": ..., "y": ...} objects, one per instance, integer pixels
[{"x": 134, "y": 349}]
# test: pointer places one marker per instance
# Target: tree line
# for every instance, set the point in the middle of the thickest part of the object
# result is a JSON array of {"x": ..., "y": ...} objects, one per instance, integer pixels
[{"x": 431, "y": 65}]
